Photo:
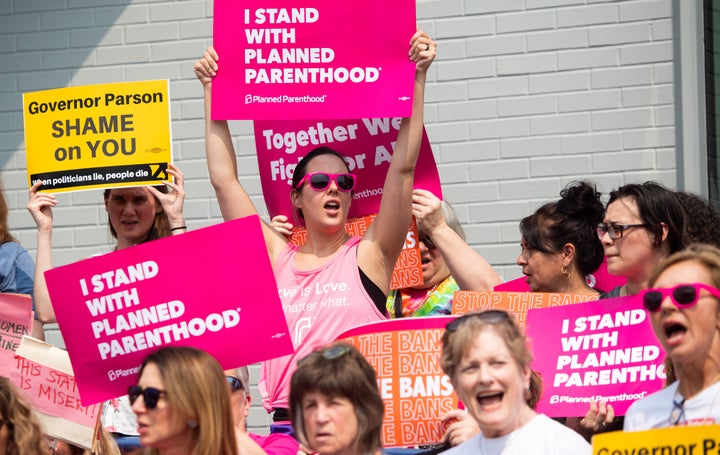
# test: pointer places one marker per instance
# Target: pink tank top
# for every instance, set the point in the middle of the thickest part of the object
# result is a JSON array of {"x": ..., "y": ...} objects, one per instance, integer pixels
[{"x": 319, "y": 305}]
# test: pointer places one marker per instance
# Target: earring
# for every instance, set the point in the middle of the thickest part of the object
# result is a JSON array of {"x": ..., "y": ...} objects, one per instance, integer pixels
[
  {"x": 564, "y": 270},
  {"x": 192, "y": 424}
]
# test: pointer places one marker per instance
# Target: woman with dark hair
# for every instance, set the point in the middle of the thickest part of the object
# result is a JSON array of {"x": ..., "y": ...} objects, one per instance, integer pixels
[
  {"x": 20, "y": 432},
  {"x": 335, "y": 404},
  {"x": 644, "y": 223},
  {"x": 182, "y": 404},
  {"x": 487, "y": 358},
  {"x": 559, "y": 242},
  {"x": 333, "y": 281}
]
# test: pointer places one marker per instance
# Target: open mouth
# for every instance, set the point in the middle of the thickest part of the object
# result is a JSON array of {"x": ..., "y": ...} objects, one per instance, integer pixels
[
  {"x": 489, "y": 399},
  {"x": 332, "y": 205},
  {"x": 674, "y": 330}
]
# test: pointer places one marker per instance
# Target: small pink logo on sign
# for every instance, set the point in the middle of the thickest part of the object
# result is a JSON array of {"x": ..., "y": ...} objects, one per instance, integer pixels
[{"x": 321, "y": 59}]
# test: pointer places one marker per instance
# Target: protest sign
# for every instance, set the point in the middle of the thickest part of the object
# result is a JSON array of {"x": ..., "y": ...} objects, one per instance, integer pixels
[
  {"x": 98, "y": 136},
  {"x": 406, "y": 356},
  {"x": 44, "y": 374},
  {"x": 602, "y": 350},
  {"x": 319, "y": 59},
  {"x": 366, "y": 144},
  {"x": 408, "y": 268},
  {"x": 212, "y": 288},
  {"x": 16, "y": 319},
  {"x": 516, "y": 303},
  {"x": 685, "y": 440}
]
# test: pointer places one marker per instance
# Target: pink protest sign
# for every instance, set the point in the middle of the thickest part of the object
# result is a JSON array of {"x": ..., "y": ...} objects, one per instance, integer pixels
[
  {"x": 15, "y": 321},
  {"x": 286, "y": 59},
  {"x": 44, "y": 375},
  {"x": 600, "y": 280},
  {"x": 600, "y": 350},
  {"x": 212, "y": 288},
  {"x": 406, "y": 356},
  {"x": 366, "y": 144}
]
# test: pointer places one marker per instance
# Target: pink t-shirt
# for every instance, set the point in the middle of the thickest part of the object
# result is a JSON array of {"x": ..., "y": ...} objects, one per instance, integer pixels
[
  {"x": 276, "y": 444},
  {"x": 319, "y": 305}
]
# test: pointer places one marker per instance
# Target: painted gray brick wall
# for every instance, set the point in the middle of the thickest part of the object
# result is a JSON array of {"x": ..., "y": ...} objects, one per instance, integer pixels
[{"x": 527, "y": 95}]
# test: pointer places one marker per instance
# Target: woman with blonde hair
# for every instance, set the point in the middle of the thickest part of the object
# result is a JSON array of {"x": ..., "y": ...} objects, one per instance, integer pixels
[
  {"x": 487, "y": 358},
  {"x": 20, "y": 432},
  {"x": 182, "y": 404}
]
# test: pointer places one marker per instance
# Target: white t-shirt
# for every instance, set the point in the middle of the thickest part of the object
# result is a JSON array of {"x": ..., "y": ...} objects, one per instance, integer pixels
[
  {"x": 540, "y": 436},
  {"x": 654, "y": 410}
]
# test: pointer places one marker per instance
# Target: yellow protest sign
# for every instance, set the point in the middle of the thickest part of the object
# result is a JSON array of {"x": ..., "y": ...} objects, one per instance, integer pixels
[
  {"x": 98, "y": 136},
  {"x": 685, "y": 440}
]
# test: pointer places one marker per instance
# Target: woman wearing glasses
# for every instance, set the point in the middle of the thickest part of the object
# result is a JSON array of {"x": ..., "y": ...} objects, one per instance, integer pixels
[
  {"x": 487, "y": 358},
  {"x": 644, "y": 223},
  {"x": 182, "y": 404},
  {"x": 684, "y": 307},
  {"x": 333, "y": 281},
  {"x": 335, "y": 404},
  {"x": 238, "y": 380}
]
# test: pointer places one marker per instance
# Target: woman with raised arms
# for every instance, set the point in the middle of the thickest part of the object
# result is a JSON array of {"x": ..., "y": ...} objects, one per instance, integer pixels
[{"x": 357, "y": 270}]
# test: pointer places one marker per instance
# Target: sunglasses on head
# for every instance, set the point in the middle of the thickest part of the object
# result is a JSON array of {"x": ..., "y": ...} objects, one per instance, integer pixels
[
  {"x": 424, "y": 238},
  {"x": 491, "y": 316},
  {"x": 150, "y": 395},
  {"x": 682, "y": 295},
  {"x": 321, "y": 180},
  {"x": 234, "y": 383},
  {"x": 331, "y": 352}
]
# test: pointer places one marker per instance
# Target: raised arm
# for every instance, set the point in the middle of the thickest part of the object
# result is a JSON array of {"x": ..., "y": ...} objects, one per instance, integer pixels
[
  {"x": 40, "y": 207},
  {"x": 470, "y": 270},
  {"x": 384, "y": 239},
  {"x": 173, "y": 201},
  {"x": 221, "y": 161}
]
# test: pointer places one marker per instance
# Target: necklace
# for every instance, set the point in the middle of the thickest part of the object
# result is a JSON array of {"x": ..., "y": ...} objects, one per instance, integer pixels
[{"x": 418, "y": 302}]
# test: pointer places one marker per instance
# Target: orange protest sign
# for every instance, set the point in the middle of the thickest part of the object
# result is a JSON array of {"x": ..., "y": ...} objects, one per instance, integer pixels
[
  {"x": 517, "y": 303},
  {"x": 406, "y": 356}
]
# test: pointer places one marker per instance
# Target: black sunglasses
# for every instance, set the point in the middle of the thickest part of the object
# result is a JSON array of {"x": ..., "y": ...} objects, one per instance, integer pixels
[
  {"x": 424, "y": 238},
  {"x": 150, "y": 395},
  {"x": 491, "y": 316},
  {"x": 234, "y": 383},
  {"x": 321, "y": 180},
  {"x": 683, "y": 295}
]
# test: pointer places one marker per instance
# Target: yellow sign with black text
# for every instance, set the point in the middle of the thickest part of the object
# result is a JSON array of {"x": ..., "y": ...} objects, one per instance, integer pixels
[
  {"x": 98, "y": 136},
  {"x": 685, "y": 440}
]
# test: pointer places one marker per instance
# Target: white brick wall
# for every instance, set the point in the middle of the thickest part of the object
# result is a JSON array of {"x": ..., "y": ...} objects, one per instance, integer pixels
[{"x": 527, "y": 95}]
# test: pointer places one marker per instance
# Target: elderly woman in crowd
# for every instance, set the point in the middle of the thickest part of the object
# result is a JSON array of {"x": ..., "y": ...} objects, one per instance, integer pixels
[
  {"x": 684, "y": 306},
  {"x": 488, "y": 361},
  {"x": 182, "y": 404},
  {"x": 335, "y": 404}
]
